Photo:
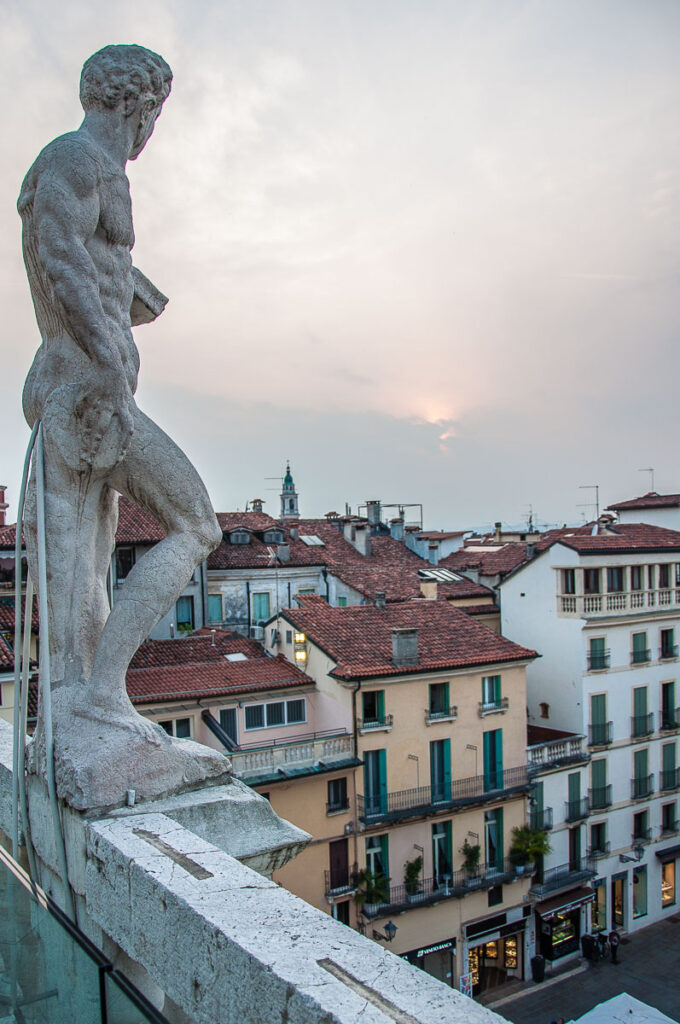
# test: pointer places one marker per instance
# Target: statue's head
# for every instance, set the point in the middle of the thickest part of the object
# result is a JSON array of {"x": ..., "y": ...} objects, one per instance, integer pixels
[{"x": 131, "y": 78}]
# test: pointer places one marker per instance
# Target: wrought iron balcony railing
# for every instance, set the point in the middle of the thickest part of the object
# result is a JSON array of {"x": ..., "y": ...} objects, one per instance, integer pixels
[
  {"x": 640, "y": 657},
  {"x": 669, "y": 779},
  {"x": 600, "y": 797},
  {"x": 668, "y": 651},
  {"x": 564, "y": 876},
  {"x": 641, "y": 786},
  {"x": 441, "y": 714},
  {"x": 641, "y": 836},
  {"x": 340, "y": 882},
  {"x": 407, "y": 803},
  {"x": 598, "y": 662},
  {"x": 600, "y": 734},
  {"x": 641, "y": 725},
  {"x": 542, "y": 819},
  {"x": 576, "y": 810},
  {"x": 369, "y": 724},
  {"x": 493, "y": 707},
  {"x": 669, "y": 719},
  {"x": 599, "y": 851},
  {"x": 334, "y": 806}
]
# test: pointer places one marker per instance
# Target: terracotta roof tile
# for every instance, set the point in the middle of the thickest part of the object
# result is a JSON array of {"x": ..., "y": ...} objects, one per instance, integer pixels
[
  {"x": 6, "y": 656},
  {"x": 212, "y": 679},
  {"x": 359, "y": 638},
  {"x": 7, "y": 615},
  {"x": 198, "y": 647},
  {"x": 135, "y": 525},
  {"x": 620, "y": 537},
  {"x": 650, "y": 500}
]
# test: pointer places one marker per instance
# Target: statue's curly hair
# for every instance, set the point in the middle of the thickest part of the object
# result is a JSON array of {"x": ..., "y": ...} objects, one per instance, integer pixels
[{"x": 109, "y": 73}]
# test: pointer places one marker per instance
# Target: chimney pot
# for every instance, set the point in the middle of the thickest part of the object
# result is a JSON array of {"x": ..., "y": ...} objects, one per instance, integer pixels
[{"x": 380, "y": 599}]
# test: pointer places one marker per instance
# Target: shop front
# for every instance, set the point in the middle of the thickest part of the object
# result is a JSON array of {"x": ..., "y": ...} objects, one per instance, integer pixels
[
  {"x": 561, "y": 921},
  {"x": 436, "y": 960},
  {"x": 495, "y": 954}
]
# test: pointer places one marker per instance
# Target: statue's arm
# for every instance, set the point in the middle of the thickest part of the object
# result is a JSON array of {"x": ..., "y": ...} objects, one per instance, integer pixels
[{"x": 65, "y": 218}]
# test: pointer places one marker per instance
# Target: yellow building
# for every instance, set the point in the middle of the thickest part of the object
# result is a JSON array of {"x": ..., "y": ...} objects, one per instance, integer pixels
[{"x": 437, "y": 705}]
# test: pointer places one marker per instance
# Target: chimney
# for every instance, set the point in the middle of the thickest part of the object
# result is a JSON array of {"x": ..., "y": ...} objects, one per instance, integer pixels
[
  {"x": 531, "y": 551},
  {"x": 397, "y": 528},
  {"x": 373, "y": 512},
  {"x": 283, "y": 552},
  {"x": 380, "y": 600},
  {"x": 212, "y": 637},
  {"x": 404, "y": 646},
  {"x": 428, "y": 589},
  {"x": 358, "y": 534},
  {"x": 256, "y": 505},
  {"x": 497, "y": 532},
  {"x": 294, "y": 533},
  {"x": 3, "y": 504},
  {"x": 433, "y": 553}
]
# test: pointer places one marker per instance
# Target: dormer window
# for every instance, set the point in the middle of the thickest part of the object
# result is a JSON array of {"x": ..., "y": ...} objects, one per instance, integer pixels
[
  {"x": 240, "y": 537},
  {"x": 273, "y": 537}
]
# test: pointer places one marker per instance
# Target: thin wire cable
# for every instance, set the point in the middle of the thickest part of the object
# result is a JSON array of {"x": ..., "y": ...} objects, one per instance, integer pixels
[
  {"x": 23, "y": 716},
  {"x": 16, "y": 765},
  {"x": 45, "y": 679}
]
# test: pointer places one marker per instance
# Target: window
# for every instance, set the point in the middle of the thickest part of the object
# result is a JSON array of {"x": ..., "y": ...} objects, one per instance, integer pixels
[
  {"x": 669, "y": 821},
  {"x": 240, "y": 537},
  {"x": 261, "y": 607},
  {"x": 641, "y": 779},
  {"x": 439, "y": 700},
  {"x": 441, "y": 853},
  {"x": 568, "y": 581},
  {"x": 493, "y": 760},
  {"x": 637, "y": 577},
  {"x": 337, "y": 795},
  {"x": 664, "y": 576},
  {"x": 495, "y": 895},
  {"x": 178, "y": 727},
  {"x": 615, "y": 576},
  {"x": 228, "y": 722},
  {"x": 668, "y": 884},
  {"x": 184, "y": 612},
  {"x": 598, "y": 655},
  {"x": 669, "y": 716},
  {"x": 600, "y": 791},
  {"x": 669, "y": 773},
  {"x": 342, "y": 602},
  {"x": 640, "y": 891},
  {"x": 491, "y": 691},
  {"x": 651, "y": 576},
  {"x": 668, "y": 648},
  {"x": 282, "y": 712},
  {"x": 598, "y": 839},
  {"x": 440, "y": 770},
  {"x": 575, "y": 808},
  {"x": 591, "y": 581},
  {"x": 289, "y": 636},
  {"x": 600, "y": 731},
  {"x": 307, "y": 590},
  {"x": 377, "y": 856},
  {"x": 493, "y": 838},
  {"x": 641, "y": 720},
  {"x": 373, "y": 708},
  {"x": 375, "y": 782},
  {"x": 214, "y": 607},
  {"x": 340, "y": 911},
  {"x": 273, "y": 537},
  {"x": 125, "y": 559},
  {"x": 599, "y": 905},
  {"x": 641, "y": 829},
  {"x": 545, "y": 709},
  {"x": 641, "y": 652}
]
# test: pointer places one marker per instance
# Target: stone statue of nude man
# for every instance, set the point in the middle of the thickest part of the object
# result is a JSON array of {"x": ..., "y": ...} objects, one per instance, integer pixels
[{"x": 77, "y": 236}]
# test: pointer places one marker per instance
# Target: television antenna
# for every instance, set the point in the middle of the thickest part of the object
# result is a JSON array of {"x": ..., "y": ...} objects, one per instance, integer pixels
[{"x": 649, "y": 470}]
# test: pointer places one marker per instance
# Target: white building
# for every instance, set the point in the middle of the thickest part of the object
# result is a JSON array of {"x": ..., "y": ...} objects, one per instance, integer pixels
[{"x": 602, "y": 606}]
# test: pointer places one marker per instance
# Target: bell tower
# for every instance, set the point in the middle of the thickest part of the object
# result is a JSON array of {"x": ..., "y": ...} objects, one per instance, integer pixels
[{"x": 289, "y": 498}]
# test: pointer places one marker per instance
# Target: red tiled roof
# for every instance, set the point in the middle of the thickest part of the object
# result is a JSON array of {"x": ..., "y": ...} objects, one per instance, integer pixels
[
  {"x": 7, "y": 615},
  {"x": 135, "y": 525},
  {"x": 541, "y": 734},
  {"x": 619, "y": 537},
  {"x": 198, "y": 647},
  {"x": 212, "y": 679},
  {"x": 6, "y": 656},
  {"x": 650, "y": 500},
  {"x": 8, "y": 535},
  {"x": 494, "y": 560},
  {"x": 257, "y": 521},
  {"x": 359, "y": 638}
]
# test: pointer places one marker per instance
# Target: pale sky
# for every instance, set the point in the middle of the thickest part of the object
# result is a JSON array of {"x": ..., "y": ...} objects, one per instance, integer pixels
[{"x": 426, "y": 250}]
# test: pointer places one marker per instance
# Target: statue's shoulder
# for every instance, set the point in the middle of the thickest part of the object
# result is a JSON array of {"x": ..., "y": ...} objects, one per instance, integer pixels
[{"x": 72, "y": 160}]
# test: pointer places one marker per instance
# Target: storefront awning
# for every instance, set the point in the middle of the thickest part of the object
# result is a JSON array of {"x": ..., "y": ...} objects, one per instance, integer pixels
[
  {"x": 668, "y": 854},
  {"x": 567, "y": 901}
]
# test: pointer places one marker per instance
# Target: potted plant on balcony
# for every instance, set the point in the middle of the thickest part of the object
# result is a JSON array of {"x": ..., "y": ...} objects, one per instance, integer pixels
[
  {"x": 471, "y": 857},
  {"x": 412, "y": 881},
  {"x": 373, "y": 891},
  {"x": 527, "y": 844}
]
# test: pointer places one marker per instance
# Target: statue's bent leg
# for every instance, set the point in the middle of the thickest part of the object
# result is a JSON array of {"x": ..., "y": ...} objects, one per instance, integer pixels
[{"x": 159, "y": 477}]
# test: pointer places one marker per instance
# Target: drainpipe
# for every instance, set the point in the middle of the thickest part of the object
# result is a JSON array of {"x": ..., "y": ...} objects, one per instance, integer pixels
[
  {"x": 354, "y": 782},
  {"x": 204, "y": 591},
  {"x": 248, "y": 603}
]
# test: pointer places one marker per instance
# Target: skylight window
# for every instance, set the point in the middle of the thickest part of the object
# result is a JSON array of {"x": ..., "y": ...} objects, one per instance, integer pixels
[
  {"x": 440, "y": 575},
  {"x": 236, "y": 656},
  {"x": 312, "y": 541}
]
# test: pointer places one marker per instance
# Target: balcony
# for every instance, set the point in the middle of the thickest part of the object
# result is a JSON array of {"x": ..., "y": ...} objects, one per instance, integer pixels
[
  {"x": 600, "y": 734},
  {"x": 593, "y": 606},
  {"x": 455, "y": 886},
  {"x": 600, "y": 797},
  {"x": 641, "y": 837},
  {"x": 340, "y": 883},
  {"x": 640, "y": 657},
  {"x": 556, "y": 753},
  {"x": 433, "y": 715},
  {"x": 641, "y": 725},
  {"x": 599, "y": 851},
  {"x": 279, "y": 758},
  {"x": 669, "y": 779},
  {"x": 564, "y": 876},
  {"x": 541, "y": 820},
  {"x": 670, "y": 719},
  {"x": 667, "y": 652},
  {"x": 493, "y": 707},
  {"x": 425, "y": 800},
  {"x": 382, "y": 724},
  {"x": 576, "y": 810},
  {"x": 598, "y": 662},
  {"x": 641, "y": 787},
  {"x": 669, "y": 828}
]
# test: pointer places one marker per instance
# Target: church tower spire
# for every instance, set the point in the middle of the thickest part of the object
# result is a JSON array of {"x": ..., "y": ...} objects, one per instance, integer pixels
[{"x": 289, "y": 497}]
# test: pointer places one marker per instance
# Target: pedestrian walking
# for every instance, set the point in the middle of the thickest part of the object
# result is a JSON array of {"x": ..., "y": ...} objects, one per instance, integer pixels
[{"x": 614, "y": 940}]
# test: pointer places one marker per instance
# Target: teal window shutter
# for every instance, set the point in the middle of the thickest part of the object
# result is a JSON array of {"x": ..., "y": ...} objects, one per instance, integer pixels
[
  {"x": 493, "y": 759},
  {"x": 574, "y": 787},
  {"x": 668, "y": 757},
  {"x": 381, "y": 705},
  {"x": 599, "y": 773},
  {"x": 640, "y": 701},
  {"x": 385, "y": 851},
  {"x": 641, "y": 764},
  {"x": 382, "y": 770},
  {"x": 214, "y": 607},
  {"x": 261, "y": 607}
]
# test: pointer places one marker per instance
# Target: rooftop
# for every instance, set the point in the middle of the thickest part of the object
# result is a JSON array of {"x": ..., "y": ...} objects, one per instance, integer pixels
[
  {"x": 649, "y": 500},
  {"x": 359, "y": 638}
]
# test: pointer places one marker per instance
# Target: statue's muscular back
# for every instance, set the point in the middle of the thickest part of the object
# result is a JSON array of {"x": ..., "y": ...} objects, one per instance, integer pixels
[{"x": 74, "y": 180}]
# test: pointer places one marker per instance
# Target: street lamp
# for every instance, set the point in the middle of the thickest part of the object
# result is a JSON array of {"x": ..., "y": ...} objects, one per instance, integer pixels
[{"x": 390, "y": 932}]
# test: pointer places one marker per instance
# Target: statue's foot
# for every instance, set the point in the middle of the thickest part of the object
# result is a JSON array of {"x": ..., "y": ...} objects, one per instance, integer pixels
[{"x": 117, "y": 714}]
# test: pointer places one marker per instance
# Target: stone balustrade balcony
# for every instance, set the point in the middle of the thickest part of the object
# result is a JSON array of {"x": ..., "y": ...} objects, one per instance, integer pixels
[
  {"x": 592, "y": 606},
  {"x": 290, "y": 755},
  {"x": 570, "y": 750}
]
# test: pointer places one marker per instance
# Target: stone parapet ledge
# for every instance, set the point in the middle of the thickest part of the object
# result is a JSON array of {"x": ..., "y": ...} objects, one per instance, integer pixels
[{"x": 228, "y": 945}]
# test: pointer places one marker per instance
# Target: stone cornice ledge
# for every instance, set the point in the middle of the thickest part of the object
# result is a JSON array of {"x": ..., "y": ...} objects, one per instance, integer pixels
[{"x": 228, "y": 945}]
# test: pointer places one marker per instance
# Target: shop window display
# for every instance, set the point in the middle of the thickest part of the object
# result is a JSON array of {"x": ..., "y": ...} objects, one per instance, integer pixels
[
  {"x": 668, "y": 884},
  {"x": 599, "y": 906},
  {"x": 640, "y": 891}
]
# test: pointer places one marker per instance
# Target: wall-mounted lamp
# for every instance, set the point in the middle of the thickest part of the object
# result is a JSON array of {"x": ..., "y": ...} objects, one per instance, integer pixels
[
  {"x": 638, "y": 854},
  {"x": 390, "y": 932}
]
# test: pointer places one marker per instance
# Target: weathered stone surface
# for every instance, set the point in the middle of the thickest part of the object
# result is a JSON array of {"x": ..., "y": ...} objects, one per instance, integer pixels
[{"x": 77, "y": 236}]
